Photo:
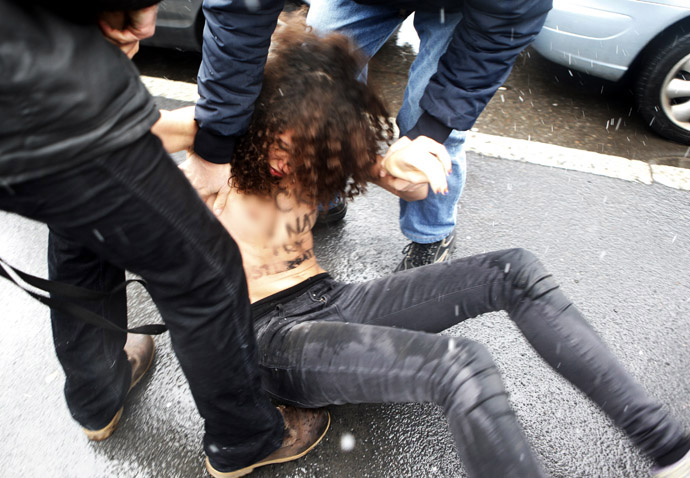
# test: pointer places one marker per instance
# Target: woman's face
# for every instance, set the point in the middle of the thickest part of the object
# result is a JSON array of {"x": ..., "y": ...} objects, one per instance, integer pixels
[{"x": 279, "y": 155}]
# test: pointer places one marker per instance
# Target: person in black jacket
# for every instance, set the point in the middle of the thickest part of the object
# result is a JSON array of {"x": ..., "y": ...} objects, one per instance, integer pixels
[{"x": 76, "y": 153}]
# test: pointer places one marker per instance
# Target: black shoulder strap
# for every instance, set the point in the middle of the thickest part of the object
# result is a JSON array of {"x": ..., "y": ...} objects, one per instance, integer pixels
[{"x": 62, "y": 297}]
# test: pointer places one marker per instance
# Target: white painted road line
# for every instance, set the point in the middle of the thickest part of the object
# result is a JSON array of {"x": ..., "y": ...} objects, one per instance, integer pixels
[
  {"x": 577, "y": 160},
  {"x": 510, "y": 148}
]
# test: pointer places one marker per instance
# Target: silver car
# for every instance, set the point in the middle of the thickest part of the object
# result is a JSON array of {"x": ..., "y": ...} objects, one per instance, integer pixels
[{"x": 646, "y": 42}]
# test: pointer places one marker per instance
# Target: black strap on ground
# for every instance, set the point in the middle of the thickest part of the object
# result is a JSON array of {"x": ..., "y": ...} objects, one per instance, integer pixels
[{"x": 63, "y": 297}]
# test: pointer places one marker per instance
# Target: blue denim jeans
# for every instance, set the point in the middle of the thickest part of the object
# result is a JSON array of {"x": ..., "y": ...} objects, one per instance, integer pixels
[
  {"x": 327, "y": 342},
  {"x": 433, "y": 218},
  {"x": 133, "y": 209}
]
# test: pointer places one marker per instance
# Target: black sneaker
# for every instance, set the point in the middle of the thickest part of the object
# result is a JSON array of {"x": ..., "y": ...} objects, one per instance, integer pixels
[
  {"x": 335, "y": 213},
  {"x": 422, "y": 254}
]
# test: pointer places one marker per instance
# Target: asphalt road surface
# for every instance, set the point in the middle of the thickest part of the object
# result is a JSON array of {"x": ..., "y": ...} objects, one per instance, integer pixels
[{"x": 620, "y": 250}]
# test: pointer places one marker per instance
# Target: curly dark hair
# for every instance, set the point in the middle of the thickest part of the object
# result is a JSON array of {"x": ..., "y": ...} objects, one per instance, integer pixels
[{"x": 338, "y": 123}]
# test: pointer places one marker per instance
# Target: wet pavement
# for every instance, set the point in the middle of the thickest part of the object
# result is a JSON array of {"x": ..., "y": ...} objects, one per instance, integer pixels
[{"x": 621, "y": 251}]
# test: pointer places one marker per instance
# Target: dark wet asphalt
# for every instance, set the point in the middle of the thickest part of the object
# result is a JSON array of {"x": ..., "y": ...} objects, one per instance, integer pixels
[{"x": 620, "y": 250}]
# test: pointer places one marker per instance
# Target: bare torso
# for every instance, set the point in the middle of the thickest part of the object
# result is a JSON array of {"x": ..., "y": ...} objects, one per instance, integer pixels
[{"x": 274, "y": 236}]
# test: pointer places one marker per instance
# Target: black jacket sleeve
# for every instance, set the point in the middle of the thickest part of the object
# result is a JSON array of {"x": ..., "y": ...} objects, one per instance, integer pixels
[
  {"x": 481, "y": 54},
  {"x": 236, "y": 40}
]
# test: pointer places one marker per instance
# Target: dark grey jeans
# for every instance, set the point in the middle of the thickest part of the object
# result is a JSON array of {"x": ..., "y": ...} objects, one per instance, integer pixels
[{"x": 376, "y": 342}]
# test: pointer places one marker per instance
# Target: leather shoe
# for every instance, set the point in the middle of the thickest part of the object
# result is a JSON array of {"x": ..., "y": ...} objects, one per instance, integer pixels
[
  {"x": 304, "y": 429},
  {"x": 140, "y": 350}
]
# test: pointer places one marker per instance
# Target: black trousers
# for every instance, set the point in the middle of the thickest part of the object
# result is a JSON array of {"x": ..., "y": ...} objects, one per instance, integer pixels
[
  {"x": 134, "y": 210},
  {"x": 377, "y": 341}
]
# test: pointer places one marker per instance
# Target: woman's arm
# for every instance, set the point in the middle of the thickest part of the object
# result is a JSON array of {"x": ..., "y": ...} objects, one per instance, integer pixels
[{"x": 176, "y": 129}]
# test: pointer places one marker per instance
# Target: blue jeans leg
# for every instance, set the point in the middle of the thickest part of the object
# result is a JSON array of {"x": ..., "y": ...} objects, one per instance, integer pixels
[
  {"x": 433, "y": 218},
  {"x": 369, "y": 26}
]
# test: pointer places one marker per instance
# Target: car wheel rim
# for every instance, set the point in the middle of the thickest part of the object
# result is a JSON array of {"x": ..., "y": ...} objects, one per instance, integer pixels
[{"x": 675, "y": 94}]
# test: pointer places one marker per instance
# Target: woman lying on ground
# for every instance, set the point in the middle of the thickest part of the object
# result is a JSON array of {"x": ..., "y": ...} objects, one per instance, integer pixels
[{"x": 315, "y": 134}]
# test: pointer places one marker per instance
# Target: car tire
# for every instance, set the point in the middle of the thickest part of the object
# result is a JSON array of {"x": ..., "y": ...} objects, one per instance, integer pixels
[{"x": 662, "y": 88}]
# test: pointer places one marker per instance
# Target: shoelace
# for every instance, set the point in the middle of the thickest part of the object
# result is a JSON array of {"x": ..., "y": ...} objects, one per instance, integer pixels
[{"x": 419, "y": 254}]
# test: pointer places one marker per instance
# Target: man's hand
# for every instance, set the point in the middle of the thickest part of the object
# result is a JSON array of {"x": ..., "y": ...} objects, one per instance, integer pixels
[
  {"x": 421, "y": 160},
  {"x": 126, "y": 28},
  {"x": 208, "y": 179}
]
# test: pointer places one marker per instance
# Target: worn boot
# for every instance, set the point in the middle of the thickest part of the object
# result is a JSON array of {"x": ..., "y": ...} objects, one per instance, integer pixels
[
  {"x": 140, "y": 350},
  {"x": 304, "y": 429}
]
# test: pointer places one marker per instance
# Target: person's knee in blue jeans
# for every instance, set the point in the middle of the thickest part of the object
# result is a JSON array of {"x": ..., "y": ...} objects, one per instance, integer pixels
[{"x": 465, "y": 54}]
